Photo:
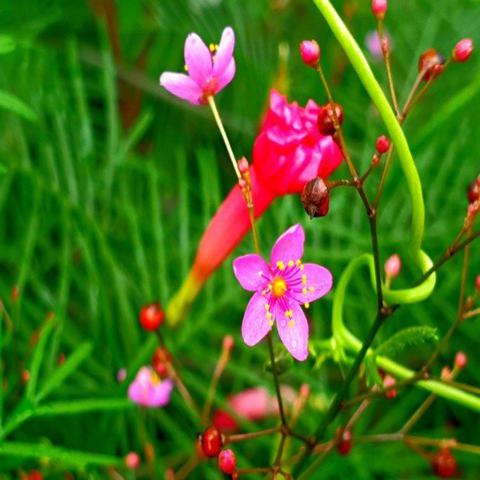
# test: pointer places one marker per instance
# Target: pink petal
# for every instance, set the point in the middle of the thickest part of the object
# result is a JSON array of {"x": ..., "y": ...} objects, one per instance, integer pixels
[
  {"x": 198, "y": 59},
  {"x": 160, "y": 395},
  {"x": 255, "y": 323},
  {"x": 318, "y": 278},
  {"x": 181, "y": 86},
  {"x": 289, "y": 245},
  {"x": 250, "y": 271},
  {"x": 252, "y": 404},
  {"x": 293, "y": 330},
  {"x": 224, "y": 54},
  {"x": 226, "y": 77}
]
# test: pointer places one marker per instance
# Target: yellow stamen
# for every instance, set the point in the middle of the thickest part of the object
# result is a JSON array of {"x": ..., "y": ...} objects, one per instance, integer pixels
[
  {"x": 185, "y": 67},
  {"x": 291, "y": 263},
  {"x": 304, "y": 279},
  {"x": 304, "y": 291},
  {"x": 280, "y": 265},
  {"x": 269, "y": 315},
  {"x": 306, "y": 305},
  {"x": 267, "y": 307},
  {"x": 270, "y": 323},
  {"x": 289, "y": 313},
  {"x": 291, "y": 323}
]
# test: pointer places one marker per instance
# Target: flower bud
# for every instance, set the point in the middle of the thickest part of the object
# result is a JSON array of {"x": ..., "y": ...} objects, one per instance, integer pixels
[
  {"x": 316, "y": 198},
  {"x": 132, "y": 460},
  {"x": 446, "y": 374},
  {"x": 121, "y": 375},
  {"x": 151, "y": 316},
  {"x": 310, "y": 52},
  {"x": 444, "y": 464},
  {"x": 228, "y": 342},
  {"x": 227, "y": 462},
  {"x": 389, "y": 382},
  {"x": 344, "y": 441},
  {"x": 461, "y": 360},
  {"x": 473, "y": 190},
  {"x": 431, "y": 63},
  {"x": 160, "y": 362},
  {"x": 326, "y": 118},
  {"x": 243, "y": 165},
  {"x": 379, "y": 8},
  {"x": 393, "y": 265},
  {"x": 477, "y": 283},
  {"x": 382, "y": 144},
  {"x": 211, "y": 442},
  {"x": 463, "y": 50}
]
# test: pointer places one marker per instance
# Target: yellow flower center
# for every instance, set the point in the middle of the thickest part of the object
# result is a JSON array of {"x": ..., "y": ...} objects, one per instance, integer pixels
[{"x": 279, "y": 287}]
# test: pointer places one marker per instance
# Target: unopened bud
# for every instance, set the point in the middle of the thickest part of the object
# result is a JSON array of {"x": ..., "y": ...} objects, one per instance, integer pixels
[
  {"x": 463, "y": 50},
  {"x": 473, "y": 190},
  {"x": 330, "y": 114},
  {"x": 379, "y": 8},
  {"x": 132, "y": 460},
  {"x": 461, "y": 360},
  {"x": 316, "y": 198},
  {"x": 477, "y": 283},
  {"x": 310, "y": 52},
  {"x": 446, "y": 374},
  {"x": 389, "y": 382},
  {"x": 228, "y": 342},
  {"x": 393, "y": 266},
  {"x": 431, "y": 63},
  {"x": 243, "y": 165},
  {"x": 382, "y": 144}
]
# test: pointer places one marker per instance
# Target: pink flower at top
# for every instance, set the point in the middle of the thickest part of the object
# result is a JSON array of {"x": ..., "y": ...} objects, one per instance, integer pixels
[
  {"x": 210, "y": 70},
  {"x": 281, "y": 287},
  {"x": 148, "y": 390}
]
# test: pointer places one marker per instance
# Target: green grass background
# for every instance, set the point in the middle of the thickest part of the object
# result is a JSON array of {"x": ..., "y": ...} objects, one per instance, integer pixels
[{"x": 96, "y": 221}]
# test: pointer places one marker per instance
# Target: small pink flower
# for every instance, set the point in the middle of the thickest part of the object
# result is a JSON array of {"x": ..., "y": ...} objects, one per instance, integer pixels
[
  {"x": 310, "y": 52},
  {"x": 280, "y": 287},
  {"x": 132, "y": 460},
  {"x": 209, "y": 70},
  {"x": 148, "y": 390}
]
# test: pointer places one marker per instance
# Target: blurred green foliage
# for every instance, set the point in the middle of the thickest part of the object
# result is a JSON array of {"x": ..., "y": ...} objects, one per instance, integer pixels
[{"x": 97, "y": 219}]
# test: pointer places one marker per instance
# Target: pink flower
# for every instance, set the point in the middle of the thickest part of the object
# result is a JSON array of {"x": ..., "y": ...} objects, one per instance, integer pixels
[
  {"x": 209, "y": 70},
  {"x": 374, "y": 45},
  {"x": 280, "y": 287},
  {"x": 288, "y": 152},
  {"x": 148, "y": 390}
]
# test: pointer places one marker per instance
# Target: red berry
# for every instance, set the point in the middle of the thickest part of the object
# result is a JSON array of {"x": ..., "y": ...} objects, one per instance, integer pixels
[
  {"x": 477, "y": 283},
  {"x": 310, "y": 52},
  {"x": 344, "y": 442},
  {"x": 379, "y": 8},
  {"x": 461, "y": 360},
  {"x": 227, "y": 462},
  {"x": 211, "y": 441},
  {"x": 33, "y": 475},
  {"x": 382, "y": 144},
  {"x": 389, "y": 382},
  {"x": 316, "y": 198},
  {"x": 463, "y": 50},
  {"x": 431, "y": 63},
  {"x": 151, "y": 316},
  {"x": 326, "y": 118},
  {"x": 161, "y": 359},
  {"x": 444, "y": 464}
]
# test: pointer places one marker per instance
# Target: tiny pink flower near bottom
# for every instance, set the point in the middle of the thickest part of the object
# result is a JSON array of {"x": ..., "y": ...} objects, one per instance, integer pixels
[
  {"x": 280, "y": 287},
  {"x": 148, "y": 390}
]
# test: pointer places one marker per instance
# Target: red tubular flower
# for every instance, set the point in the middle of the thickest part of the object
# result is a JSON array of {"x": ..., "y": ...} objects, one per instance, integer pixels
[{"x": 288, "y": 152}]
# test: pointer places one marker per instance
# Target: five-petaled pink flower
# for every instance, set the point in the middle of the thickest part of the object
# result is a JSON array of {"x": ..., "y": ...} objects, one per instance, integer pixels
[
  {"x": 148, "y": 390},
  {"x": 209, "y": 69},
  {"x": 280, "y": 287}
]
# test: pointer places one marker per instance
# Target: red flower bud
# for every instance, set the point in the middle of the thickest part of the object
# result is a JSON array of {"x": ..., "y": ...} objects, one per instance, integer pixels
[
  {"x": 446, "y": 373},
  {"x": 431, "y": 63},
  {"x": 444, "y": 464},
  {"x": 461, "y": 360},
  {"x": 228, "y": 342},
  {"x": 243, "y": 165},
  {"x": 477, "y": 283},
  {"x": 315, "y": 198},
  {"x": 388, "y": 382},
  {"x": 211, "y": 442},
  {"x": 382, "y": 144},
  {"x": 132, "y": 460},
  {"x": 161, "y": 359},
  {"x": 326, "y": 118},
  {"x": 151, "y": 316},
  {"x": 344, "y": 441},
  {"x": 227, "y": 462},
  {"x": 473, "y": 190},
  {"x": 463, "y": 50},
  {"x": 379, "y": 8},
  {"x": 310, "y": 52}
]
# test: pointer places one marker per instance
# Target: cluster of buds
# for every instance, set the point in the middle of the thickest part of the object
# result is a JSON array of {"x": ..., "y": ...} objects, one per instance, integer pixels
[
  {"x": 245, "y": 182},
  {"x": 473, "y": 196},
  {"x": 330, "y": 118},
  {"x": 211, "y": 443}
]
